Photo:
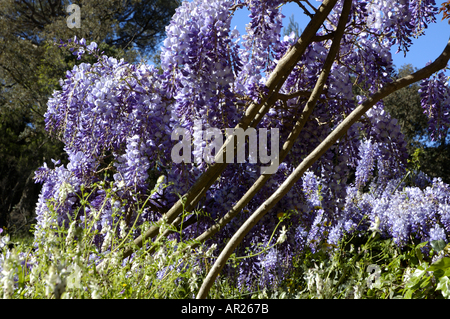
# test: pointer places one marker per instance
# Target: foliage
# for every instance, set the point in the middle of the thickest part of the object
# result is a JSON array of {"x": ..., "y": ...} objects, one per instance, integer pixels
[
  {"x": 23, "y": 149},
  {"x": 430, "y": 276},
  {"x": 369, "y": 267},
  {"x": 405, "y": 106},
  {"x": 445, "y": 9},
  {"x": 62, "y": 262},
  {"x": 61, "y": 265},
  {"x": 292, "y": 27}
]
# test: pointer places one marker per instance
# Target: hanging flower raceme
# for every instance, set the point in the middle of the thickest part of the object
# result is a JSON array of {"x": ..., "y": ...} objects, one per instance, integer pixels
[{"x": 435, "y": 94}]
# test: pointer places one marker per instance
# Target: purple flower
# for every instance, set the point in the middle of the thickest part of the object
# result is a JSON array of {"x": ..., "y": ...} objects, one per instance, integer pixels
[
  {"x": 365, "y": 166},
  {"x": 435, "y": 94},
  {"x": 437, "y": 233},
  {"x": 92, "y": 47}
]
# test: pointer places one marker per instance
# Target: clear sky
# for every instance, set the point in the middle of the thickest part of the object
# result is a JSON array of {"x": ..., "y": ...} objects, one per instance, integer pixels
[{"x": 425, "y": 48}]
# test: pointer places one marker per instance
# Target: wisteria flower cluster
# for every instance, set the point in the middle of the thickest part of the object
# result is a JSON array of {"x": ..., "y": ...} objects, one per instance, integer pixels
[{"x": 435, "y": 94}]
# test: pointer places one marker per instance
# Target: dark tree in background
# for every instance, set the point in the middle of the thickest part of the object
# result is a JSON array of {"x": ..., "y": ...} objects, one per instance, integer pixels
[
  {"x": 30, "y": 69},
  {"x": 292, "y": 27},
  {"x": 404, "y": 105},
  {"x": 432, "y": 157}
]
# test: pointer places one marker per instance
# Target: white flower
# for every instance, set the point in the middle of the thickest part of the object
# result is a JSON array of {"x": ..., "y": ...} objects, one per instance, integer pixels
[
  {"x": 51, "y": 280},
  {"x": 56, "y": 281},
  {"x": 7, "y": 282},
  {"x": 310, "y": 279},
  {"x": 8, "y": 287},
  {"x": 121, "y": 184},
  {"x": 211, "y": 250},
  {"x": 358, "y": 289},
  {"x": 4, "y": 241},
  {"x": 282, "y": 236},
  {"x": 34, "y": 275},
  {"x": 375, "y": 226},
  {"x": 193, "y": 284},
  {"x": 407, "y": 274},
  {"x": 95, "y": 294},
  {"x": 70, "y": 233},
  {"x": 108, "y": 238},
  {"x": 319, "y": 285},
  {"x": 64, "y": 190},
  {"x": 123, "y": 228}
]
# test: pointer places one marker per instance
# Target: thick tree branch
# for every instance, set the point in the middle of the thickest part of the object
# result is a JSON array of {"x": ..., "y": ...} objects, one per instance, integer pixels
[{"x": 320, "y": 38}]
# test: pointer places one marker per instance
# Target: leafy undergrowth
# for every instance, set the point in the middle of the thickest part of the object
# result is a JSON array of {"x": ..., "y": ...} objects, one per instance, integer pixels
[
  {"x": 363, "y": 266},
  {"x": 70, "y": 262}
]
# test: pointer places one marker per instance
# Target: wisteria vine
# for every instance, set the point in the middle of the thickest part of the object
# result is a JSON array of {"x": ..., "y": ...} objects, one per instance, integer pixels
[{"x": 116, "y": 120}]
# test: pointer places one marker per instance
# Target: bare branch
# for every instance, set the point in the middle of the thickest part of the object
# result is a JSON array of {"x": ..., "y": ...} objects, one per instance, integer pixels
[
  {"x": 328, "y": 36},
  {"x": 286, "y": 97}
]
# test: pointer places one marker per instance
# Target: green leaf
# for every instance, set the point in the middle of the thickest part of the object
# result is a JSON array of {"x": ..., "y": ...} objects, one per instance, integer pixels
[
  {"x": 419, "y": 252},
  {"x": 447, "y": 273},
  {"x": 415, "y": 278},
  {"x": 425, "y": 282},
  {"x": 444, "y": 286},
  {"x": 438, "y": 273},
  {"x": 438, "y": 245},
  {"x": 443, "y": 263},
  {"x": 408, "y": 294},
  {"x": 21, "y": 277}
]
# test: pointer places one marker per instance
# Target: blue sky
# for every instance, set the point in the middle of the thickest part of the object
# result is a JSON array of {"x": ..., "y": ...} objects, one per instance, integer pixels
[{"x": 425, "y": 48}]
